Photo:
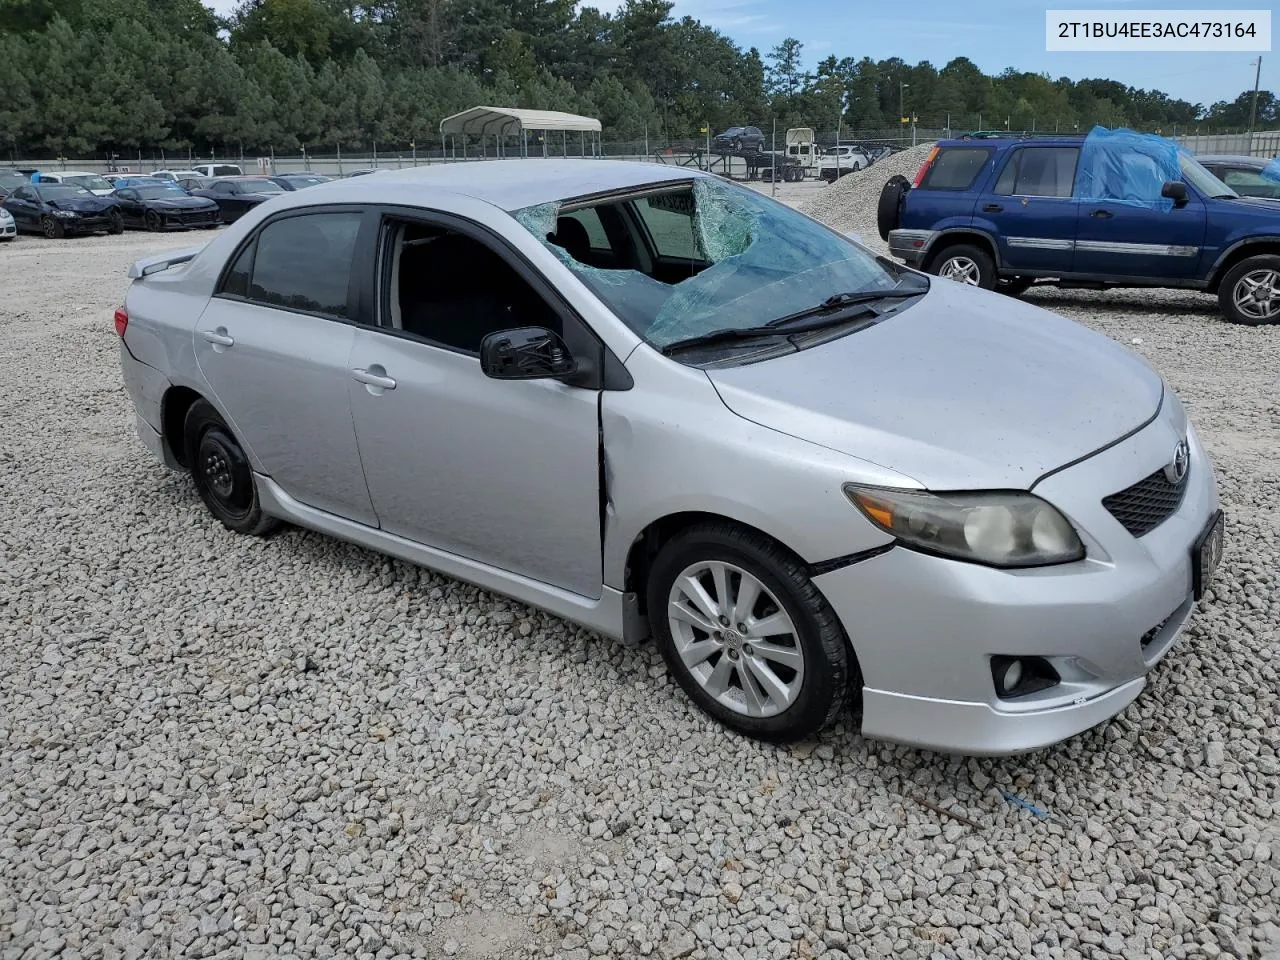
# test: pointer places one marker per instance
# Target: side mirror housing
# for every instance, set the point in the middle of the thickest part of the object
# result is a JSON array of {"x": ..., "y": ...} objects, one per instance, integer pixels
[
  {"x": 1176, "y": 191},
  {"x": 526, "y": 353}
]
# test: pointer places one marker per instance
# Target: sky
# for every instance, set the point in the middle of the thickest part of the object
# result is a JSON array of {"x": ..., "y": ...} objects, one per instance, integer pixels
[{"x": 994, "y": 34}]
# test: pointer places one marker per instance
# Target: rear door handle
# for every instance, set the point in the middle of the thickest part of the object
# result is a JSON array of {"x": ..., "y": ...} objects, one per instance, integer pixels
[
  {"x": 373, "y": 377},
  {"x": 1102, "y": 214},
  {"x": 992, "y": 208},
  {"x": 218, "y": 337}
]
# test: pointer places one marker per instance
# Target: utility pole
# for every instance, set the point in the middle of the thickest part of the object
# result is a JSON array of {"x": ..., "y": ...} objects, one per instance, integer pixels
[
  {"x": 902, "y": 110},
  {"x": 773, "y": 159},
  {"x": 1253, "y": 108}
]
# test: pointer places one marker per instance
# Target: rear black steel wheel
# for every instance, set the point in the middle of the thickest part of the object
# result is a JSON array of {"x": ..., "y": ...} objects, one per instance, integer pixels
[{"x": 222, "y": 474}]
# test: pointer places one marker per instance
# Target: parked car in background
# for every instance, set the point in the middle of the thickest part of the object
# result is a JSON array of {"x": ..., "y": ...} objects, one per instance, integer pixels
[
  {"x": 236, "y": 196},
  {"x": 8, "y": 229},
  {"x": 1247, "y": 176},
  {"x": 195, "y": 183},
  {"x": 981, "y": 521},
  {"x": 175, "y": 175},
  {"x": 165, "y": 206},
  {"x": 93, "y": 182},
  {"x": 835, "y": 162},
  {"x": 738, "y": 140},
  {"x": 137, "y": 180},
  {"x": 365, "y": 171},
  {"x": 61, "y": 209},
  {"x": 1003, "y": 212},
  {"x": 217, "y": 170},
  {"x": 297, "y": 181},
  {"x": 10, "y": 179}
]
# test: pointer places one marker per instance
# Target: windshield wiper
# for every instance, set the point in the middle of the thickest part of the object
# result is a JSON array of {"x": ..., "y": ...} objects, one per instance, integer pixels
[{"x": 833, "y": 311}]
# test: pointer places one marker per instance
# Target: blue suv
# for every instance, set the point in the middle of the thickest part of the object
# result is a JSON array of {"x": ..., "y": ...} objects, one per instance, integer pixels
[{"x": 1003, "y": 213}]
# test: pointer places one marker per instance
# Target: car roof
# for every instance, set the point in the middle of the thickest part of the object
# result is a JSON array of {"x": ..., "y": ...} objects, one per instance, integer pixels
[
  {"x": 71, "y": 173},
  {"x": 1257, "y": 162},
  {"x": 971, "y": 141},
  {"x": 506, "y": 184}
]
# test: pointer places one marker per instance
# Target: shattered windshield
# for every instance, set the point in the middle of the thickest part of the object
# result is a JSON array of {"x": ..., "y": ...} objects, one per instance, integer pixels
[{"x": 681, "y": 261}]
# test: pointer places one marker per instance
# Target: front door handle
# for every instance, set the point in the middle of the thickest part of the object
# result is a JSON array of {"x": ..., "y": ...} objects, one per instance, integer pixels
[
  {"x": 219, "y": 337},
  {"x": 375, "y": 376},
  {"x": 992, "y": 208},
  {"x": 1102, "y": 214}
]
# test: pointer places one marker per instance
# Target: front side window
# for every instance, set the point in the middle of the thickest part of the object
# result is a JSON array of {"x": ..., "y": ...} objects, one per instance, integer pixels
[
  {"x": 224, "y": 187},
  {"x": 955, "y": 168},
  {"x": 1039, "y": 172},
  {"x": 302, "y": 263},
  {"x": 226, "y": 171},
  {"x": 452, "y": 290},
  {"x": 699, "y": 258}
]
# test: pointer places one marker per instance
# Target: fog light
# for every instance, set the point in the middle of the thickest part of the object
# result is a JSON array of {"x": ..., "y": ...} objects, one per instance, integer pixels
[{"x": 1020, "y": 676}]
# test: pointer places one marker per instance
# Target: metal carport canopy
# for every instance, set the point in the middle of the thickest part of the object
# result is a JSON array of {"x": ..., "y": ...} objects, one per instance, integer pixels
[{"x": 508, "y": 121}]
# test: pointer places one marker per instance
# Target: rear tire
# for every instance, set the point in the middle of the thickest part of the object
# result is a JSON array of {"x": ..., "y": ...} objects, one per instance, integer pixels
[
  {"x": 889, "y": 207},
  {"x": 773, "y": 665},
  {"x": 1249, "y": 294},
  {"x": 221, "y": 472},
  {"x": 965, "y": 264}
]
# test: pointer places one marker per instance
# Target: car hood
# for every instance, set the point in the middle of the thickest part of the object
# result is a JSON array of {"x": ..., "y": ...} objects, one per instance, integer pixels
[
  {"x": 82, "y": 204},
  {"x": 181, "y": 203},
  {"x": 964, "y": 389},
  {"x": 1260, "y": 209}
]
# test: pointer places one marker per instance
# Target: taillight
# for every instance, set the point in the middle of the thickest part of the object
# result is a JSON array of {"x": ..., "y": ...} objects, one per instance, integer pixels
[
  {"x": 122, "y": 320},
  {"x": 924, "y": 167}
]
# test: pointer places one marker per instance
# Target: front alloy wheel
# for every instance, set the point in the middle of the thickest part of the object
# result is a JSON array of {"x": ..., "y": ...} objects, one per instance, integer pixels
[
  {"x": 735, "y": 638},
  {"x": 152, "y": 221},
  {"x": 1250, "y": 293},
  {"x": 51, "y": 228},
  {"x": 747, "y": 635}
]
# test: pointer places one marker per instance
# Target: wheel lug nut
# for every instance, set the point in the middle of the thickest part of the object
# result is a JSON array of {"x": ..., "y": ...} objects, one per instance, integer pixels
[{"x": 724, "y": 621}]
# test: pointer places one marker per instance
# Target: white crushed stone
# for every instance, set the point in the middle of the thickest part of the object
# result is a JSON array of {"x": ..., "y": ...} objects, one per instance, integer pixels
[
  {"x": 215, "y": 746},
  {"x": 849, "y": 204}
]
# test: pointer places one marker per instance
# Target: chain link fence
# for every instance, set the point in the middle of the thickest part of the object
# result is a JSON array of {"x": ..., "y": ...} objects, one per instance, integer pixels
[{"x": 762, "y": 155}]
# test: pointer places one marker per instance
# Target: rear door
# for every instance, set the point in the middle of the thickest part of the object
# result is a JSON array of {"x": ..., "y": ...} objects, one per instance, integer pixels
[
  {"x": 273, "y": 344},
  {"x": 1029, "y": 209},
  {"x": 24, "y": 206}
]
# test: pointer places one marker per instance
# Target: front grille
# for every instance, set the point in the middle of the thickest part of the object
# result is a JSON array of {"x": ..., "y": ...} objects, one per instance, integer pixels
[{"x": 1147, "y": 504}]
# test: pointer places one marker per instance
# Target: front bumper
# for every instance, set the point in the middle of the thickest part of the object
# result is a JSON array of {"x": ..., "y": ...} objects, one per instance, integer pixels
[
  {"x": 8, "y": 229},
  {"x": 925, "y": 628},
  {"x": 190, "y": 219},
  {"x": 87, "y": 223},
  {"x": 910, "y": 246}
]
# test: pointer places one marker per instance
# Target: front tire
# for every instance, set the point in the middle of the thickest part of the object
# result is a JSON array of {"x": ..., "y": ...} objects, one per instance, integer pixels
[
  {"x": 1249, "y": 294},
  {"x": 152, "y": 221},
  {"x": 51, "y": 228},
  {"x": 115, "y": 223},
  {"x": 747, "y": 635},
  {"x": 221, "y": 473},
  {"x": 965, "y": 264}
]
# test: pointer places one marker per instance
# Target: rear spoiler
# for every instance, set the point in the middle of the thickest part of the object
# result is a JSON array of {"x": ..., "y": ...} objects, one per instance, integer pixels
[{"x": 150, "y": 265}]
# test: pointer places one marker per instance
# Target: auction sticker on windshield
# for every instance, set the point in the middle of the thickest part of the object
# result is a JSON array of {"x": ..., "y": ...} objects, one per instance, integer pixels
[{"x": 1153, "y": 30}]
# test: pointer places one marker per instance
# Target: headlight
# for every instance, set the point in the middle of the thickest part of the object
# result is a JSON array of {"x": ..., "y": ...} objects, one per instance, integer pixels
[
  {"x": 67, "y": 214},
  {"x": 1001, "y": 529}
]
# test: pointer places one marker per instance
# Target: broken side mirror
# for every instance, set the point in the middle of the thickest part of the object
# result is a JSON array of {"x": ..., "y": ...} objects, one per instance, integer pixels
[
  {"x": 1176, "y": 191},
  {"x": 526, "y": 353}
]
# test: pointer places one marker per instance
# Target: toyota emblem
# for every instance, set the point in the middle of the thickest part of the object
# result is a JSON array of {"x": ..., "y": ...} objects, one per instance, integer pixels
[{"x": 1176, "y": 471}]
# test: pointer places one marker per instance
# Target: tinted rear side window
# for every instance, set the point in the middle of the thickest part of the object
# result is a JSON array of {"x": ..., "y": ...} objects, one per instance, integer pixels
[
  {"x": 956, "y": 168},
  {"x": 1039, "y": 172},
  {"x": 304, "y": 263}
]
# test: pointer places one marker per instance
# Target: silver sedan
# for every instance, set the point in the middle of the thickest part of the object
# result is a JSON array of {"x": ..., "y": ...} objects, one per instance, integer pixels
[{"x": 658, "y": 404}]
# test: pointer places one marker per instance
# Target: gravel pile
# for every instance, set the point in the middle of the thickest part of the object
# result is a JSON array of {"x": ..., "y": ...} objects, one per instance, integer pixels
[
  {"x": 214, "y": 746},
  {"x": 849, "y": 204}
]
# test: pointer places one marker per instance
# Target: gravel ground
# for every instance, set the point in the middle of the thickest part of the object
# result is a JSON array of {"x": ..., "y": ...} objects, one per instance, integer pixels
[{"x": 215, "y": 746}]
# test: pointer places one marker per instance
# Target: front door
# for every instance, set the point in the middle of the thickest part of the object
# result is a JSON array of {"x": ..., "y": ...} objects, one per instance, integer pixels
[
  {"x": 505, "y": 473},
  {"x": 1031, "y": 211},
  {"x": 274, "y": 345},
  {"x": 1141, "y": 240}
]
